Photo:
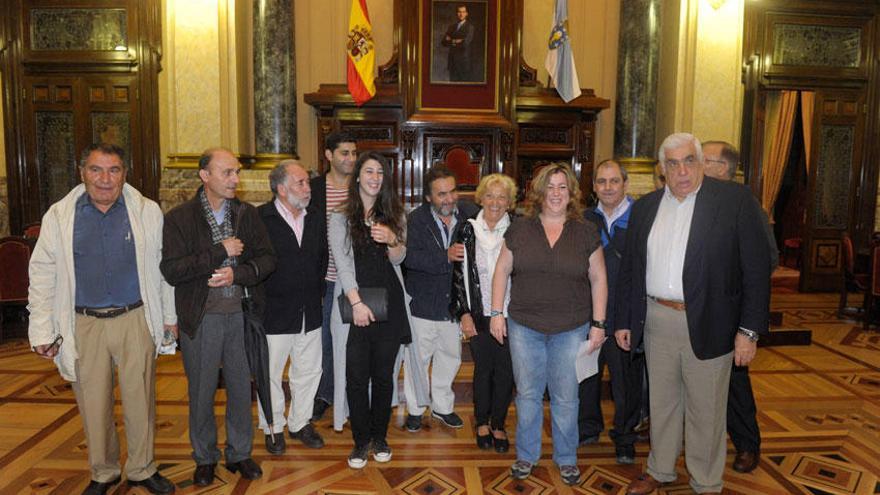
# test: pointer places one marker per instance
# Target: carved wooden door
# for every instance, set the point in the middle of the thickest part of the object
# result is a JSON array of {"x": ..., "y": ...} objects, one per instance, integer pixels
[
  {"x": 66, "y": 114},
  {"x": 835, "y": 159},
  {"x": 73, "y": 73}
]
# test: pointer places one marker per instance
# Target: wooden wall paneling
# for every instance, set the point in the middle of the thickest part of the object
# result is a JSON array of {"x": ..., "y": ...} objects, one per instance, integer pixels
[
  {"x": 832, "y": 210},
  {"x": 491, "y": 138},
  {"x": 829, "y": 48},
  {"x": 104, "y": 89}
]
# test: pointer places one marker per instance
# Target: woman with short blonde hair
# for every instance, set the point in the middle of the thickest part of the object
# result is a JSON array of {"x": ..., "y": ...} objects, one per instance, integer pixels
[{"x": 470, "y": 304}]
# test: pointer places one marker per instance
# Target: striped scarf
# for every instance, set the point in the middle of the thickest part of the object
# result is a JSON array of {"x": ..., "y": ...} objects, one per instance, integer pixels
[{"x": 218, "y": 232}]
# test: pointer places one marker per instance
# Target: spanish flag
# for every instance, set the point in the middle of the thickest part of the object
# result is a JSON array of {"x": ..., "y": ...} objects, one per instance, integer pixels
[{"x": 361, "y": 54}]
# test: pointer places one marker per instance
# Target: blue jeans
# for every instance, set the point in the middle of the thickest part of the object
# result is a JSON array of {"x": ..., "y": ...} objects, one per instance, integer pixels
[
  {"x": 325, "y": 387},
  {"x": 541, "y": 361}
]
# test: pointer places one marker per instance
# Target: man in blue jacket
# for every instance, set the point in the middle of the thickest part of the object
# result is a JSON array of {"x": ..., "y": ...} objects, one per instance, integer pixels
[
  {"x": 429, "y": 257},
  {"x": 611, "y": 216}
]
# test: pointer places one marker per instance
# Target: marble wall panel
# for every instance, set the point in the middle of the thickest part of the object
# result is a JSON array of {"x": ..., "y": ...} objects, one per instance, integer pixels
[
  {"x": 196, "y": 76},
  {"x": 717, "y": 103},
  {"x": 274, "y": 77},
  {"x": 700, "y": 89},
  {"x": 179, "y": 185}
]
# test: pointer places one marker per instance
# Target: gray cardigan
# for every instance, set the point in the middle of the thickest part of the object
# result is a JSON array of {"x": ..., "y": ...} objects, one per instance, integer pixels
[{"x": 340, "y": 245}]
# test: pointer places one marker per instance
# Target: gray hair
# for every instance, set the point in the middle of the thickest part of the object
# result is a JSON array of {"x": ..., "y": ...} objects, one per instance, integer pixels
[
  {"x": 679, "y": 140},
  {"x": 104, "y": 149},
  {"x": 729, "y": 154},
  {"x": 278, "y": 175},
  {"x": 607, "y": 163}
]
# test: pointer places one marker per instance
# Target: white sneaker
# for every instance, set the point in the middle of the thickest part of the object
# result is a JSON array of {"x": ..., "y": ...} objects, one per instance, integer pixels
[
  {"x": 358, "y": 457},
  {"x": 381, "y": 451}
]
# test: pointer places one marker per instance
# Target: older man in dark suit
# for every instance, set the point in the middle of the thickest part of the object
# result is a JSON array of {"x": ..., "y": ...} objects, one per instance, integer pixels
[{"x": 695, "y": 284}]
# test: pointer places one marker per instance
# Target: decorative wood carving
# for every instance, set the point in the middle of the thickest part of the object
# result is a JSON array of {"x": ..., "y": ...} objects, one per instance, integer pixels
[
  {"x": 96, "y": 61},
  {"x": 828, "y": 48},
  {"x": 530, "y": 124}
]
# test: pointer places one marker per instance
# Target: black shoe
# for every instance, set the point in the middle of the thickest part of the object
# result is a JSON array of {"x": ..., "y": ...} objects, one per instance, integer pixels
[
  {"x": 249, "y": 469},
  {"x": 204, "y": 474},
  {"x": 156, "y": 484},
  {"x": 319, "y": 409},
  {"x": 308, "y": 436},
  {"x": 451, "y": 420},
  {"x": 275, "y": 444},
  {"x": 502, "y": 445},
  {"x": 588, "y": 439},
  {"x": 484, "y": 442},
  {"x": 99, "y": 488},
  {"x": 626, "y": 454},
  {"x": 413, "y": 423}
]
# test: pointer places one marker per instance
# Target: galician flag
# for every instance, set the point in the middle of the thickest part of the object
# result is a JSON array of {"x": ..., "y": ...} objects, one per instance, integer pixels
[
  {"x": 560, "y": 60},
  {"x": 361, "y": 54}
]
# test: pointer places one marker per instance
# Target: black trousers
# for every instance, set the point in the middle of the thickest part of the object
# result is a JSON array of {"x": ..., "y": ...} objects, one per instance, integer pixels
[
  {"x": 627, "y": 374},
  {"x": 369, "y": 369},
  {"x": 742, "y": 423},
  {"x": 493, "y": 380}
]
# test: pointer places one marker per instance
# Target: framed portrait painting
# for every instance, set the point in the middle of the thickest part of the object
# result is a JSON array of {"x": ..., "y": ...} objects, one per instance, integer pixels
[{"x": 459, "y": 55}]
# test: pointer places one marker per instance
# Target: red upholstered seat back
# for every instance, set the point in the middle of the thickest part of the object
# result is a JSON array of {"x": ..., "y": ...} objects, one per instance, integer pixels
[
  {"x": 15, "y": 252},
  {"x": 458, "y": 160}
]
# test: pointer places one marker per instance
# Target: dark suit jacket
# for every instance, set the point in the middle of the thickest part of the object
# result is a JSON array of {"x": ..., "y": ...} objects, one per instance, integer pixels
[
  {"x": 428, "y": 270},
  {"x": 297, "y": 285},
  {"x": 726, "y": 276},
  {"x": 459, "y": 60},
  {"x": 319, "y": 193}
]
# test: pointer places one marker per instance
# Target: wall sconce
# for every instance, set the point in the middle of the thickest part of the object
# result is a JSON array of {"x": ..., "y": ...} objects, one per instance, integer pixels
[{"x": 717, "y": 4}]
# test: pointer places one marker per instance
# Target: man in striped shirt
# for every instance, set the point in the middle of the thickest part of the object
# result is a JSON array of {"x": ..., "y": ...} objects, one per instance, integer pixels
[{"x": 328, "y": 192}]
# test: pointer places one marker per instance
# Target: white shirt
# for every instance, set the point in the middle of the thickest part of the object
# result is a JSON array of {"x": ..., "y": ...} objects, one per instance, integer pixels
[
  {"x": 296, "y": 222},
  {"x": 667, "y": 244},
  {"x": 618, "y": 211}
]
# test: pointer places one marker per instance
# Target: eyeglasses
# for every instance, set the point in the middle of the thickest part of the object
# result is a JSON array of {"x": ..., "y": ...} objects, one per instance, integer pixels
[{"x": 714, "y": 162}]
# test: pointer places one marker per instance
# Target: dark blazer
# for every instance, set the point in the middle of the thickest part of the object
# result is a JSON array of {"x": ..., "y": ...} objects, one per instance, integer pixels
[
  {"x": 297, "y": 284},
  {"x": 189, "y": 257},
  {"x": 319, "y": 194},
  {"x": 459, "y": 60},
  {"x": 428, "y": 270},
  {"x": 726, "y": 276}
]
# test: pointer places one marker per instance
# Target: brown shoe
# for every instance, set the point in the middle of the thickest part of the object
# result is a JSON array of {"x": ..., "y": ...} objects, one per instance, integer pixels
[
  {"x": 643, "y": 485},
  {"x": 745, "y": 461}
]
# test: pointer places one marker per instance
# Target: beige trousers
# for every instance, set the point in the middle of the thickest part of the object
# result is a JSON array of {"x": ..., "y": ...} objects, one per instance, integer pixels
[
  {"x": 125, "y": 342},
  {"x": 688, "y": 397}
]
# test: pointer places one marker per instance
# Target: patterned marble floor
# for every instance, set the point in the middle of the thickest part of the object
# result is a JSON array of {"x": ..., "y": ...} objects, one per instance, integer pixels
[{"x": 819, "y": 409}]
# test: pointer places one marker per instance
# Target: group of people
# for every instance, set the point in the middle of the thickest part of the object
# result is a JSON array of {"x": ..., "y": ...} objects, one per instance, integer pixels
[{"x": 350, "y": 289}]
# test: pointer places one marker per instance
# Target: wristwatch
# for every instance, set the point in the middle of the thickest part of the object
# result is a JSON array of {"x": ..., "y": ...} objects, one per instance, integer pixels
[
  {"x": 495, "y": 313},
  {"x": 749, "y": 334},
  {"x": 599, "y": 324}
]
